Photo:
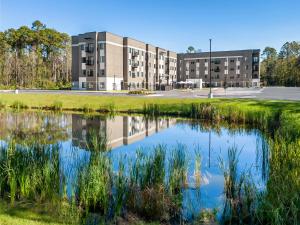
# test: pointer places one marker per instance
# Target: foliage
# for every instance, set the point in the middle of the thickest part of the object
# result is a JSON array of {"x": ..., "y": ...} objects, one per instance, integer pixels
[
  {"x": 36, "y": 57},
  {"x": 282, "y": 68}
]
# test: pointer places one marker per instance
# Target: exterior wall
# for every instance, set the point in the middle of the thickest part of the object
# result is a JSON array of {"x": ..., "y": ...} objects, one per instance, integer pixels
[
  {"x": 161, "y": 77},
  {"x": 151, "y": 67},
  {"x": 171, "y": 68},
  {"x": 84, "y": 59},
  {"x": 229, "y": 68},
  {"x": 111, "y": 61},
  {"x": 134, "y": 64}
]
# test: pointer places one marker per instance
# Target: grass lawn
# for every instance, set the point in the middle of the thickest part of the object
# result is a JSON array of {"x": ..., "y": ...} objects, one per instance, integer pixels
[{"x": 126, "y": 103}]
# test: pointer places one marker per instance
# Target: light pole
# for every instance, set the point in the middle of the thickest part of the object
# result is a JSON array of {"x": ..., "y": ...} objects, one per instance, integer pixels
[{"x": 210, "y": 95}]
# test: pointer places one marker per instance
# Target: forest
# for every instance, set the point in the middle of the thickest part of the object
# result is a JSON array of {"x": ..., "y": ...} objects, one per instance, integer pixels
[
  {"x": 35, "y": 57},
  {"x": 281, "y": 68}
]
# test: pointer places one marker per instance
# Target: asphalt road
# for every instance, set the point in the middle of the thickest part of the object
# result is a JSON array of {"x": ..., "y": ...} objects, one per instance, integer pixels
[{"x": 276, "y": 93}]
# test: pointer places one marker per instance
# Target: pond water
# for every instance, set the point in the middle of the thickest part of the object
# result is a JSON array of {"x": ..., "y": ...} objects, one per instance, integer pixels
[{"x": 125, "y": 135}]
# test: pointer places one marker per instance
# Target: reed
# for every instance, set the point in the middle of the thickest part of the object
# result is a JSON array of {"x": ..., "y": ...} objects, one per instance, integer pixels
[{"x": 18, "y": 105}]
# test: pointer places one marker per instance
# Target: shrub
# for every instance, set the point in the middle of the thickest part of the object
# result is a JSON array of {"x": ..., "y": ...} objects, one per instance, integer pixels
[{"x": 139, "y": 92}]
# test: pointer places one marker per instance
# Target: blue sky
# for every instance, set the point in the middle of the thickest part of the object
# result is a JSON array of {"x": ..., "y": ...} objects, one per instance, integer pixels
[{"x": 172, "y": 24}]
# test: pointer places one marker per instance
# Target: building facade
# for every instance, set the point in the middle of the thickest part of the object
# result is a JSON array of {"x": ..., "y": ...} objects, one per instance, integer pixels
[
  {"x": 105, "y": 61},
  {"x": 228, "y": 68}
]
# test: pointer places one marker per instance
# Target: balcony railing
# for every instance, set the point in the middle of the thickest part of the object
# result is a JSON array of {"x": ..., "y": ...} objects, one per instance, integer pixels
[
  {"x": 89, "y": 49},
  {"x": 135, "y": 64},
  {"x": 90, "y": 62},
  {"x": 134, "y": 54}
]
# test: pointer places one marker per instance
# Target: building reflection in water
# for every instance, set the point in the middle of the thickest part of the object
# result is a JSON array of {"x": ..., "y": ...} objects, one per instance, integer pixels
[{"x": 118, "y": 131}]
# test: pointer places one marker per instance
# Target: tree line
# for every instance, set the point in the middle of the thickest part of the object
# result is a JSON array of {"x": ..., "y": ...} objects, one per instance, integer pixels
[
  {"x": 36, "y": 57},
  {"x": 283, "y": 67}
]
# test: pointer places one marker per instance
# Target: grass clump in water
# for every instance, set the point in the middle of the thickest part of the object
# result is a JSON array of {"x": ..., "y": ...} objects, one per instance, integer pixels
[
  {"x": 57, "y": 106},
  {"x": 17, "y": 105}
]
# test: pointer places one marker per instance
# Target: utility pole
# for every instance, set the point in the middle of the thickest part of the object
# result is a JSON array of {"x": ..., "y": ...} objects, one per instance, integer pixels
[{"x": 210, "y": 95}]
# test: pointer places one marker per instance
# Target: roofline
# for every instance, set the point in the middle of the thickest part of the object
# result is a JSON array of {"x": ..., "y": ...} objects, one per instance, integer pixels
[{"x": 242, "y": 50}]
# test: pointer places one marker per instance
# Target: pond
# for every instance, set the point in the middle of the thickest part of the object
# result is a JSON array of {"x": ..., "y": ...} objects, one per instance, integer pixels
[{"x": 206, "y": 148}]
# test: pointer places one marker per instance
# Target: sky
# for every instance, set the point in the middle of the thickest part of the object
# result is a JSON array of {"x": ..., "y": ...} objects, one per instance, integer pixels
[{"x": 170, "y": 24}]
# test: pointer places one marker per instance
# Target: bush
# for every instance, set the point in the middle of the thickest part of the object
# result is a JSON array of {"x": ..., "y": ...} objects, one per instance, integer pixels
[{"x": 139, "y": 92}]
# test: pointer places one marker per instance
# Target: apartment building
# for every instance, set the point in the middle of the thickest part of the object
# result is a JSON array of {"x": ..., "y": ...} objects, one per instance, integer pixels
[
  {"x": 228, "y": 68},
  {"x": 105, "y": 61},
  {"x": 117, "y": 131}
]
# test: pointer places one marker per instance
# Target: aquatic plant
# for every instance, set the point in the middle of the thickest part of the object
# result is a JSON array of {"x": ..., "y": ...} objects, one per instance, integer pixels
[
  {"x": 56, "y": 106},
  {"x": 17, "y": 105}
]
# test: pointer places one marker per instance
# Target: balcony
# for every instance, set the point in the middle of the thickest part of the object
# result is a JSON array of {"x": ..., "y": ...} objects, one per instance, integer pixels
[
  {"x": 135, "y": 65},
  {"x": 217, "y": 70},
  {"x": 134, "y": 54},
  {"x": 90, "y": 62},
  {"x": 89, "y": 49}
]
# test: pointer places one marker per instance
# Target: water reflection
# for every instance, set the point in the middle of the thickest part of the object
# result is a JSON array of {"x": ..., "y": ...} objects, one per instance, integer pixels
[
  {"x": 119, "y": 130},
  {"x": 203, "y": 144}
]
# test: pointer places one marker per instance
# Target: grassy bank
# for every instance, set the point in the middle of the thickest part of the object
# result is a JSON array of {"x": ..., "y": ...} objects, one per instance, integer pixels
[{"x": 129, "y": 103}]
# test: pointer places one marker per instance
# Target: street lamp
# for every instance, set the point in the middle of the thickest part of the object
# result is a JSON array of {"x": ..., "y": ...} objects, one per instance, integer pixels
[{"x": 210, "y": 95}]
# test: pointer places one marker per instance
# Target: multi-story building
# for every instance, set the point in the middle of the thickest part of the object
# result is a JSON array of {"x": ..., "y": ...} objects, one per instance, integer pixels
[
  {"x": 105, "y": 61},
  {"x": 117, "y": 131},
  {"x": 228, "y": 68}
]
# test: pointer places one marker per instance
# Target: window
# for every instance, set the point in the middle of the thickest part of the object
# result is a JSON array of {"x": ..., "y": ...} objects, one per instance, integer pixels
[
  {"x": 90, "y": 73},
  {"x": 142, "y": 53},
  {"x": 101, "y": 85},
  {"x": 102, "y": 59},
  {"x": 129, "y": 50},
  {"x": 217, "y": 61},
  {"x": 138, "y": 74},
  {"x": 232, "y": 60},
  {"x": 84, "y": 73},
  {"x": 192, "y": 63},
  {"x": 101, "y": 45},
  {"x": 238, "y": 67},
  {"x": 90, "y": 60},
  {"x": 102, "y": 72},
  {"x": 255, "y": 59},
  {"x": 129, "y": 61},
  {"x": 129, "y": 73},
  {"x": 247, "y": 67},
  {"x": 192, "y": 70},
  {"x": 231, "y": 69},
  {"x": 83, "y": 85},
  {"x": 142, "y": 74},
  {"x": 82, "y": 47},
  {"x": 90, "y": 48},
  {"x": 83, "y": 59}
]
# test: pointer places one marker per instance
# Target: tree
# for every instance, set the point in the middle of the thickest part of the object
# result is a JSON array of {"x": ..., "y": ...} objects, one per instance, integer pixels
[
  {"x": 190, "y": 49},
  {"x": 268, "y": 65},
  {"x": 34, "y": 57}
]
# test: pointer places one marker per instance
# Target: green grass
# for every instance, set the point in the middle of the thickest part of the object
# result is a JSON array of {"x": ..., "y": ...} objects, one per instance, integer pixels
[{"x": 128, "y": 103}]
